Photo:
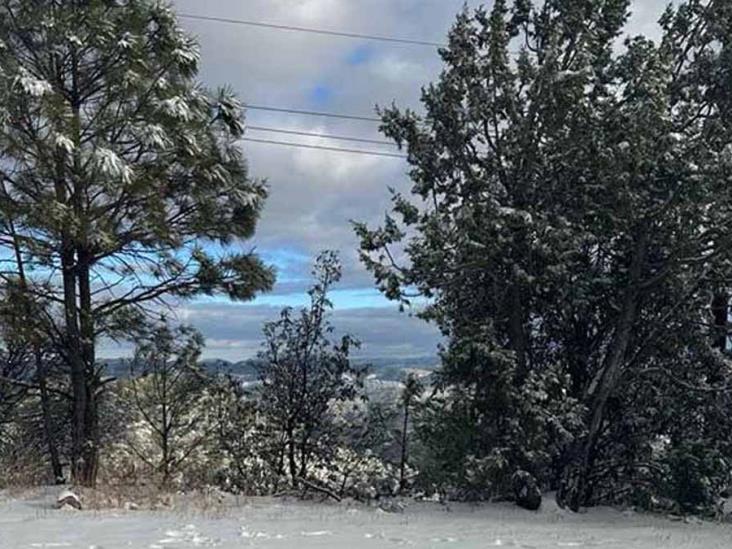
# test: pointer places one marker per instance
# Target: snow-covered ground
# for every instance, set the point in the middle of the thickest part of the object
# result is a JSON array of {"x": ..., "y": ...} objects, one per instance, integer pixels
[{"x": 272, "y": 523}]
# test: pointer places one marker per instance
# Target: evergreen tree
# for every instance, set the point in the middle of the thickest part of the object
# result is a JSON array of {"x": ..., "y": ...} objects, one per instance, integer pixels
[
  {"x": 166, "y": 391},
  {"x": 117, "y": 168},
  {"x": 303, "y": 374},
  {"x": 569, "y": 225}
]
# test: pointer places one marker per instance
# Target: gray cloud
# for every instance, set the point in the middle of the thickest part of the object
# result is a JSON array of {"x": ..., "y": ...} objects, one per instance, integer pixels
[
  {"x": 314, "y": 194},
  {"x": 234, "y": 331}
]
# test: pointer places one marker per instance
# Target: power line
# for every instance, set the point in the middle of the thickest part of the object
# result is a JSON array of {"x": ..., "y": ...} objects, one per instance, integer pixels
[
  {"x": 321, "y": 135},
  {"x": 314, "y": 113},
  {"x": 325, "y": 32},
  {"x": 323, "y": 148}
]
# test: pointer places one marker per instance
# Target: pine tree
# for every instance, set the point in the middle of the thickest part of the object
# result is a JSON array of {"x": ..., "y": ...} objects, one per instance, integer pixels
[
  {"x": 166, "y": 390},
  {"x": 118, "y": 168}
]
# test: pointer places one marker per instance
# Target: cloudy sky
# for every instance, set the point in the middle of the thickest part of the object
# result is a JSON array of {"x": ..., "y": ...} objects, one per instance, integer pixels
[{"x": 315, "y": 194}]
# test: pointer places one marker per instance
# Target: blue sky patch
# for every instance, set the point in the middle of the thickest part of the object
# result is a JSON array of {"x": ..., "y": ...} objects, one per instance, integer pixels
[
  {"x": 342, "y": 299},
  {"x": 321, "y": 94},
  {"x": 359, "y": 56}
]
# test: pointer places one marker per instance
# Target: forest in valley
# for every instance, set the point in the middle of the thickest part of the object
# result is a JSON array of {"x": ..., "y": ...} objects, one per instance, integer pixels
[{"x": 568, "y": 230}]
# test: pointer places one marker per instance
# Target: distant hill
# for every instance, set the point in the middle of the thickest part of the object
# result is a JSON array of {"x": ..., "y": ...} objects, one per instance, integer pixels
[
  {"x": 387, "y": 369},
  {"x": 381, "y": 368},
  {"x": 116, "y": 367}
]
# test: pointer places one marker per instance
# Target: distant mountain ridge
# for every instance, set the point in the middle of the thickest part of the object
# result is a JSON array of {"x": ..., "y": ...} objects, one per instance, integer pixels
[{"x": 383, "y": 368}]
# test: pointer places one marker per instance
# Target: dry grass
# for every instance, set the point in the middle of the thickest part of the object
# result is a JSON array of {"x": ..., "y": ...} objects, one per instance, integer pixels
[{"x": 207, "y": 502}]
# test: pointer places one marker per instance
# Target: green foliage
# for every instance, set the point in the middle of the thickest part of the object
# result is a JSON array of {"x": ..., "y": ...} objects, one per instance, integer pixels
[
  {"x": 165, "y": 393},
  {"x": 568, "y": 225},
  {"x": 696, "y": 475},
  {"x": 119, "y": 173},
  {"x": 303, "y": 375}
]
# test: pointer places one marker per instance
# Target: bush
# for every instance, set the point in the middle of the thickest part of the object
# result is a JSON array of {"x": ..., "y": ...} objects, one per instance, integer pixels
[{"x": 697, "y": 474}]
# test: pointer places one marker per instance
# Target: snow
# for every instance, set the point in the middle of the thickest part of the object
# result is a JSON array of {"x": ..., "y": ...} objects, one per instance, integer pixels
[
  {"x": 126, "y": 42},
  {"x": 177, "y": 107},
  {"x": 75, "y": 40},
  {"x": 566, "y": 75},
  {"x": 33, "y": 86},
  {"x": 187, "y": 55},
  {"x": 112, "y": 165},
  {"x": 68, "y": 498},
  {"x": 269, "y": 522},
  {"x": 153, "y": 135},
  {"x": 64, "y": 143},
  {"x": 517, "y": 214}
]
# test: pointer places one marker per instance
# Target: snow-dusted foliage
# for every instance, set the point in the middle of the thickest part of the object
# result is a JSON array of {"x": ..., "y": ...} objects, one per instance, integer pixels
[
  {"x": 570, "y": 229},
  {"x": 227, "y": 442},
  {"x": 35, "y": 87},
  {"x": 112, "y": 166},
  {"x": 115, "y": 162},
  {"x": 137, "y": 455},
  {"x": 169, "y": 423},
  {"x": 303, "y": 374}
]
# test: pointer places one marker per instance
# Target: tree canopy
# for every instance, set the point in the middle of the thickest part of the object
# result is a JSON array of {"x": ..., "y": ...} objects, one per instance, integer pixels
[
  {"x": 119, "y": 173},
  {"x": 570, "y": 224}
]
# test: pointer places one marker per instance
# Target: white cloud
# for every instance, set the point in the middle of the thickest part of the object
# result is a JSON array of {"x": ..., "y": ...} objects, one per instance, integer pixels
[
  {"x": 397, "y": 69},
  {"x": 336, "y": 170},
  {"x": 316, "y": 11}
]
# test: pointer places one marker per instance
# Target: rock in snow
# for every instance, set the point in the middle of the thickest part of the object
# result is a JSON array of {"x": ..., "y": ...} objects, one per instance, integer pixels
[
  {"x": 68, "y": 500},
  {"x": 526, "y": 490}
]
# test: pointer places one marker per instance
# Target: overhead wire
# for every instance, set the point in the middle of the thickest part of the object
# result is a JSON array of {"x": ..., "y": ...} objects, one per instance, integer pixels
[
  {"x": 323, "y": 148},
  {"x": 325, "y": 32},
  {"x": 339, "y": 116},
  {"x": 303, "y": 112},
  {"x": 320, "y": 135},
  {"x": 314, "y": 113}
]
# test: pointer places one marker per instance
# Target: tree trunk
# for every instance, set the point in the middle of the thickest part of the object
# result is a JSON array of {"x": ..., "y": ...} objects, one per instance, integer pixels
[
  {"x": 404, "y": 454},
  {"x": 720, "y": 338},
  {"x": 165, "y": 463},
  {"x": 80, "y": 356},
  {"x": 720, "y": 313},
  {"x": 48, "y": 431},
  {"x": 291, "y": 454},
  {"x": 574, "y": 492},
  {"x": 166, "y": 425},
  {"x": 90, "y": 448},
  {"x": 78, "y": 316},
  {"x": 304, "y": 454},
  {"x": 78, "y": 371}
]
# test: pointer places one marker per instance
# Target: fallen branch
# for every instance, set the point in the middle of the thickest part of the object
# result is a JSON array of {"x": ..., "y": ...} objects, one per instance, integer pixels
[{"x": 322, "y": 489}]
